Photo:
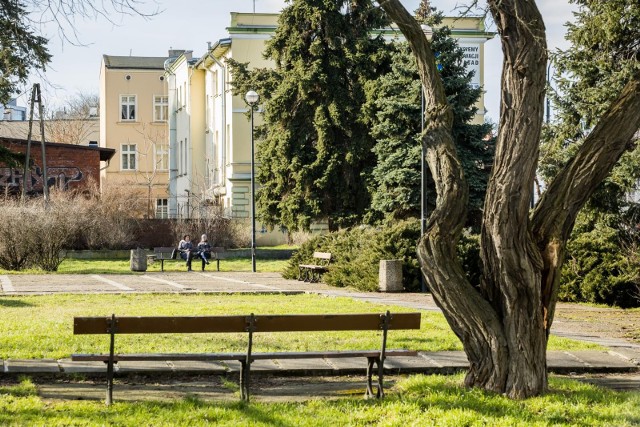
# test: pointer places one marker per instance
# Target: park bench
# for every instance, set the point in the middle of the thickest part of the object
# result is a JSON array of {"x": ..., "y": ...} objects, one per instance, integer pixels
[
  {"x": 312, "y": 272},
  {"x": 251, "y": 325},
  {"x": 167, "y": 253}
]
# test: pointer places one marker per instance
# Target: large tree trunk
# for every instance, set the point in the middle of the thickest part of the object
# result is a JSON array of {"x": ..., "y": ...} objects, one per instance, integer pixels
[{"x": 504, "y": 325}]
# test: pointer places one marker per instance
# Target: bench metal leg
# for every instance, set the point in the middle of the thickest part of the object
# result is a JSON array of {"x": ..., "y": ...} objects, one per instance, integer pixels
[
  {"x": 244, "y": 380},
  {"x": 110, "y": 362},
  {"x": 372, "y": 364},
  {"x": 162, "y": 265}
]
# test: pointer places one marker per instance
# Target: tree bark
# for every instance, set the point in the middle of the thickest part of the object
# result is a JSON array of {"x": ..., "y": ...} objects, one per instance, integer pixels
[
  {"x": 556, "y": 212},
  {"x": 504, "y": 324}
]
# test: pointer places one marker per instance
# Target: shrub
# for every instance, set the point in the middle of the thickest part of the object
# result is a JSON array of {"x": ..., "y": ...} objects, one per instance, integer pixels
[
  {"x": 109, "y": 218},
  {"x": 14, "y": 228},
  {"x": 357, "y": 253},
  {"x": 600, "y": 268},
  {"x": 220, "y": 230}
]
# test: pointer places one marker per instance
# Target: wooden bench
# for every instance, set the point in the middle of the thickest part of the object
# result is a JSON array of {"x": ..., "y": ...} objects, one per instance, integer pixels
[
  {"x": 165, "y": 253},
  {"x": 312, "y": 272},
  {"x": 249, "y": 324}
]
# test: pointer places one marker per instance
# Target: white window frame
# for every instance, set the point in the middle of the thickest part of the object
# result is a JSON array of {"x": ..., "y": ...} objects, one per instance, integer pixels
[
  {"x": 160, "y": 104},
  {"x": 161, "y": 157},
  {"x": 129, "y": 104},
  {"x": 128, "y": 152},
  {"x": 162, "y": 208}
]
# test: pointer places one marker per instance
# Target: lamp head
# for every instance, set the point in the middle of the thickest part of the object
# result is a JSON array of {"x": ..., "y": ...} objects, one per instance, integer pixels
[{"x": 252, "y": 97}]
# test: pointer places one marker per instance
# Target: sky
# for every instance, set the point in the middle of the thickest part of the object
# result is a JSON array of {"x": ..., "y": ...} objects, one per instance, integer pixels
[{"x": 190, "y": 24}]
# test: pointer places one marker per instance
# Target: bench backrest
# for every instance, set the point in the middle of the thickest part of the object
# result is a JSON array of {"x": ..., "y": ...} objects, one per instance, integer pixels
[
  {"x": 273, "y": 323},
  {"x": 163, "y": 250},
  {"x": 324, "y": 257}
]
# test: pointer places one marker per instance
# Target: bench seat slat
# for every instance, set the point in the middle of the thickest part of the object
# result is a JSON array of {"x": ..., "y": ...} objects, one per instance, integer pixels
[{"x": 241, "y": 356}]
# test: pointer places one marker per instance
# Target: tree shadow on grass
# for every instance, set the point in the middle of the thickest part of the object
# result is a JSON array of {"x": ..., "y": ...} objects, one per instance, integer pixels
[{"x": 13, "y": 302}]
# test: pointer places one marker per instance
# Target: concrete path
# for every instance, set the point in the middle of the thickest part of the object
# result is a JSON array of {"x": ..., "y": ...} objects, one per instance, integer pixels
[{"x": 622, "y": 356}]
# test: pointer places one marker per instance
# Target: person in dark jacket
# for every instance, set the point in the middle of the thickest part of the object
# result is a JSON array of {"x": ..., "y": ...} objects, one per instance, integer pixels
[
  {"x": 186, "y": 250},
  {"x": 204, "y": 250}
]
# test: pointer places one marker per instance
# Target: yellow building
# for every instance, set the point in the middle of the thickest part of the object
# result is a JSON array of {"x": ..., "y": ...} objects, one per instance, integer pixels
[{"x": 133, "y": 120}]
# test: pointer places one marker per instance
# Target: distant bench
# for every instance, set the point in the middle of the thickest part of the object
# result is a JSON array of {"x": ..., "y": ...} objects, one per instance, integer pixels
[
  {"x": 250, "y": 324},
  {"x": 312, "y": 272},
  {"x": 167, "y": 253}
]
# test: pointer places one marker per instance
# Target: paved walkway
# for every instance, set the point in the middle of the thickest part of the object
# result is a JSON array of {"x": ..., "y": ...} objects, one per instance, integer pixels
[{"x": 622, "y": 356}]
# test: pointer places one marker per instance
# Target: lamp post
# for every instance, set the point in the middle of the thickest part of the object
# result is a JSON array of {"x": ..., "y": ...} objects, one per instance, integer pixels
[
  {"x": 252, "y": 99},
  {"x": 428, "y": 33}
]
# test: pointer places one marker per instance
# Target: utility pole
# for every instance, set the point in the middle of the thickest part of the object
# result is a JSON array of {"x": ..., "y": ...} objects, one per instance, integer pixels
[{"x": 36, "y": 96}]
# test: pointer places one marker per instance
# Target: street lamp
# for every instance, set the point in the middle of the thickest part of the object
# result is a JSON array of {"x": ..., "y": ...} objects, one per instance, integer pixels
[
  {"x": 252, "y": 99},
  {"x": 428, "y": 33}
]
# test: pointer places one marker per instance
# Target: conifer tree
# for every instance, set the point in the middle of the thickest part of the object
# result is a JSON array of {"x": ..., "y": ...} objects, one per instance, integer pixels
[
  {"x": 394, "y": 112},
  {"x": 315, "y": 148}
]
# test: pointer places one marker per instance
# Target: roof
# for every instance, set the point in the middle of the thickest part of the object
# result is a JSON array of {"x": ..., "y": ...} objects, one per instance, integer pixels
[
  {"x": 136, "y": 62},
  {"x": 105, "y": 153}
]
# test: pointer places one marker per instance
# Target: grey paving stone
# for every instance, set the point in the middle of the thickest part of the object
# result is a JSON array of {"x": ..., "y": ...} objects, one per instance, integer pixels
[
  {"x": 564, "y": 360},
  {"x": 632, "y": 355},
  {"x": 305, "y": 366},
  {"x": 197, "y": 366},
  {"x": 402, "y": 364},
  {"x": 31, "y": 365},
  {"x": 449, "y": 359},
  {"x": 602, "y": 359},
  {"x": 263, "y": 366},
  {"x": 143, "y": 366},
  {"x": 348, "y": 364},
  {"x": 71, "y": 367}
]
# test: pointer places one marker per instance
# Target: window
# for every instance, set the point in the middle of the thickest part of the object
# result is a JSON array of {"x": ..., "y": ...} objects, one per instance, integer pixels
[
  {"x": 185, "y": 157},
  {"x": 162, "y": 157},
  {"x": 180, "y": 158},
  {"x": 162, "y": 208},
  {"x": 128, "y": 107},
  {"x": 128, "y": 153},
  {"x": 160, "y": 108}
]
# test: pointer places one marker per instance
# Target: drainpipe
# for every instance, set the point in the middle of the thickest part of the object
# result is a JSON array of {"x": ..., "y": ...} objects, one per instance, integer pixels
[{"x": 223, "y": 134}]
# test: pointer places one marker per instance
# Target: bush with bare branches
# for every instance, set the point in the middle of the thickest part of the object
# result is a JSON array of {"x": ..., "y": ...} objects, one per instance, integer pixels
[{"x": 220, "y": 230}]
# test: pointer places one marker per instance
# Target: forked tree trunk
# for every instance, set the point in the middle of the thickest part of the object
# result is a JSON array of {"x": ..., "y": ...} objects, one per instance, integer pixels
[{"x": 504, "y": 325}]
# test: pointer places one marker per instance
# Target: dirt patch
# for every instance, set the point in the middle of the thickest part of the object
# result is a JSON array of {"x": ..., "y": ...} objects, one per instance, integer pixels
[{"x": 599, "y": 321}]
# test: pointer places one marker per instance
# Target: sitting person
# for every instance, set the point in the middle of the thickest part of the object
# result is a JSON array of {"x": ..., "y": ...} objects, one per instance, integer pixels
[
  {"x": 204, "y": 250},
  {"x": 186, "y": 250}
]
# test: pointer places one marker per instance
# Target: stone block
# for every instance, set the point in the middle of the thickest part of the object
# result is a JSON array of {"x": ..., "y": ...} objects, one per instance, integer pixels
[
  {"x": 390, "y": 275},
  {"x": 138, "y": 260}
]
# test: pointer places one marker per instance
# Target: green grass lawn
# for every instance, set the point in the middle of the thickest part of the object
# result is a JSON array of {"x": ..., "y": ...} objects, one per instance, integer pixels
[
  {"x": 416, "y": 401},
  {"x": 42, "y": 326},
  {"x": 121, "y": 266}
]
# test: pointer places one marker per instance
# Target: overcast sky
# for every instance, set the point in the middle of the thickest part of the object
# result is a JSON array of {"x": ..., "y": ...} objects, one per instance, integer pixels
[{"x": 190, "y": 24}]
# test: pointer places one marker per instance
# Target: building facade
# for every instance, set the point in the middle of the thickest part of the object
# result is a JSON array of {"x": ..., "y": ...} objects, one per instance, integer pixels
[{"x": 134, "y": 113}]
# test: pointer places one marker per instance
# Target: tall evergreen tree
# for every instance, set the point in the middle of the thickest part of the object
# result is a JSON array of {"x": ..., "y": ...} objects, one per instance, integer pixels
[
  {"x": 394, "y": 112},
  {"x": 603, "y": 54},
  {"x": 315, "y": 149}
]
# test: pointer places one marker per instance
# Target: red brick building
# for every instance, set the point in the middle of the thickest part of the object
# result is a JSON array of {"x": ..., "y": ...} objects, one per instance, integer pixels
[{"x": 69, "y": 167}]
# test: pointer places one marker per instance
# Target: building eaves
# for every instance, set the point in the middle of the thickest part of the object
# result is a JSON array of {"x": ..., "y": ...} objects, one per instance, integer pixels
[{"x": 217, "y": 51}]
